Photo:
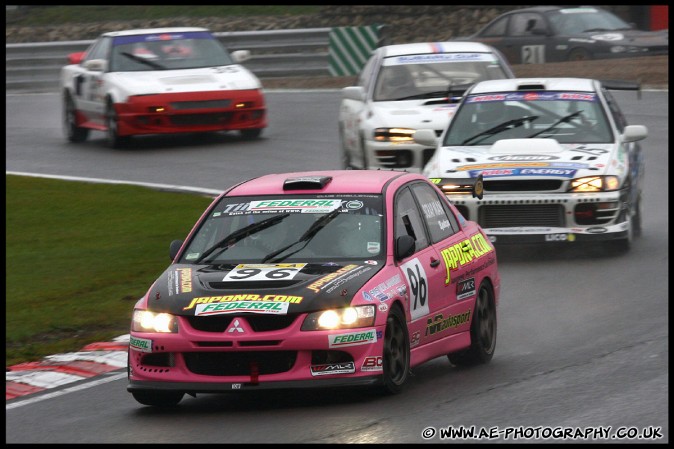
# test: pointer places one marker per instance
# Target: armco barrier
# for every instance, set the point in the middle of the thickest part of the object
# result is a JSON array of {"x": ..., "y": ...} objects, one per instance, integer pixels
[{"x": 275, "y": 53}]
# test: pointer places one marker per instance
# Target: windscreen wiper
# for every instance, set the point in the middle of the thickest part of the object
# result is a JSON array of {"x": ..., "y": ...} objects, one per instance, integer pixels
[
  {"x": 306, "y": 237},
  {"x": 154, "y": 65},
  {"x": 243, "y": 233},
  {"x": 514, "y": 123}
]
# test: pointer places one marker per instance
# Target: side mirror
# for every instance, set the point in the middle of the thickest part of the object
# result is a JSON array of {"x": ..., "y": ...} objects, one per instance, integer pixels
[
  {"x": 174, "y": 248},
  {"x": 404, "y": 246},
  {"x": 240, "y": 56},
  {"x": 76, "y": 58},
  {"x": 96, "y": 65},
  {"x": 356, "y": 93},
  {"x": 426, "y": 137},
  {"x": 632, "y": 133}
]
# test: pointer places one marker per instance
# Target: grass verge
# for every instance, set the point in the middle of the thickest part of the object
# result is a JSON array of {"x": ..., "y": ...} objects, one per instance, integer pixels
[{"x": 78, "y": 257}]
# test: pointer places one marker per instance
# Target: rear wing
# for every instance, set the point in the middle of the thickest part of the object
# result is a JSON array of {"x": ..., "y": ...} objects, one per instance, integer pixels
[{"x": 622, "y": 85}]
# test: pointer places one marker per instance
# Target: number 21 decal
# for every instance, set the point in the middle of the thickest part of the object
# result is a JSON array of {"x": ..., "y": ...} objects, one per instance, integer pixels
[{"x": 418, "y": 282}]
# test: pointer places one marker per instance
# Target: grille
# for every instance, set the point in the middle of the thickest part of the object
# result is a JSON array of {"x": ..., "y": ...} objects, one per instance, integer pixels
[
  {"x": 533, "y": 185},
  {"x": 509, "y": 216},
  {"x": 259, "y": 323},
  {"x": 209, "y": 104},
  {"x": 201, "y": 119},
  {"x": 239, "y": 363}
]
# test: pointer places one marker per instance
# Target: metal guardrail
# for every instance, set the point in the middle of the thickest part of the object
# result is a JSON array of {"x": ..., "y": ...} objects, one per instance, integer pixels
[{"x": 275, "y": 53}]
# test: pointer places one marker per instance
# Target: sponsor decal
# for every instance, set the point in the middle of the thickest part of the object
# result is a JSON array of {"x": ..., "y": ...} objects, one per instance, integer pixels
[
  {"x": 415, "y": 339},
  {"x": 140, "y": 344},
  {"x": 352, "y": 339},
  {"x": 464, "y": 252},
  {"x": 560, "y": 238},
  {"x": 316, "y": 286},
  {"x": 337, "y": 282},
  {"x": 371, "y": 262},
  {"x": 333, "y": 368},
  {"x": 597, "y": 230},
  {"x": 502, "y": 165},
  {"x": 373, "y": 364},
  {"x": 272, "y": 308},
  {"x": 533, "y": 96},
  {"x": 417, "y": 280},
  {"x": 179, "y": 281},
  {"x": 382, "y": 307},
  {"x": 354, "y": 204},
  {"x": 236, "y": 386},
  {"x": 439, "y": 323},
  {"x": 438, "y": 57},
  {"x": 373, "y": 247},
  {"x": 243, "y": 297},
  {"x": 522, "y": 157},
  {"x": 367, "y": 296},
  {"x": 304, "y": 206},
  {"x": 264, "y": 272},
  {"x": 433, "y": 209},
  {"x": 465, "y": 289}
]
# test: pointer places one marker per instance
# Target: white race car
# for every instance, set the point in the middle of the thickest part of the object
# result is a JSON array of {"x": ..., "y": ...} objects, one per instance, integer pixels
[
  {"x": 159, "y": 81},
  {"x": 406, "y": 87},
  {"x": 558, "y": 159}
]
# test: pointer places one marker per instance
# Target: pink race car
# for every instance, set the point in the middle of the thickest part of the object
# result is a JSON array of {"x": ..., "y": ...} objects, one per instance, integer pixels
[{"x": 314, "y": 279}]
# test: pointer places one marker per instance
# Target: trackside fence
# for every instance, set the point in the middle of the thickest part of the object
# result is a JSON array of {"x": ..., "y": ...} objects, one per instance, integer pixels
[{"x": 274, "y": 53}]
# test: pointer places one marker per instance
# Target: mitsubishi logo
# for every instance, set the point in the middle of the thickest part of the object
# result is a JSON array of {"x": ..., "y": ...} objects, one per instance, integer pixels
[{"x": 236, "y": 327}]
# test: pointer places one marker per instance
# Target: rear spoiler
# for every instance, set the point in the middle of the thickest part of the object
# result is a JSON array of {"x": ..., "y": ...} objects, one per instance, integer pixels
[
  {"x": 474, "y": 186},
  {"x": 622, "y": 85}
]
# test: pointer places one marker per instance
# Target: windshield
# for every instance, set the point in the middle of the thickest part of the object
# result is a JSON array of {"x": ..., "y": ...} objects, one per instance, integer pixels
[
  {"x": 583, "y": 20},
  {"x": 167, "y": 51},
  {"x": 303, "y": 228},
  {"x": 431, "y": 75},
  {"x": 568, "y": 117}
]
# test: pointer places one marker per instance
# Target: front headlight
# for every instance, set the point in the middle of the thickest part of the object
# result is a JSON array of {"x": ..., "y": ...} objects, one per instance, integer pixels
[
  {"x": 347, "y": 318},
  {"x": 595, "y": 184},
  {"x": 394, "y": 134},
  {"x": 146, "y": 321}
]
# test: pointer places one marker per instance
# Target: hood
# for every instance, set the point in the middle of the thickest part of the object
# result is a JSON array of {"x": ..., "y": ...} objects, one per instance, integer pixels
[
  {"x": 415, "y": 114},
  {"x": 526, "y": 158},
  {"x": 185, "y": 289},
  {"x": 236, "y": 77}
]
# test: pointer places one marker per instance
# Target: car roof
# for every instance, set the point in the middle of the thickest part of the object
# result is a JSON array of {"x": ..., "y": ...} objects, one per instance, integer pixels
[
  {"x": 420, "y": 48},
  {"x": 152, "y": 31},
  {"x": 554, "y": 84},
  {"x": 343, "y": 181}
]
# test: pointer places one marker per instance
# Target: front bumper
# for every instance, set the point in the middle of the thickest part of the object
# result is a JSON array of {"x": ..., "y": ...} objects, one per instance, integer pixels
[
  {"x": 548, "y": 218},
  {"x": 192, "y": 112},
  {"x": 213, "y": 360}
]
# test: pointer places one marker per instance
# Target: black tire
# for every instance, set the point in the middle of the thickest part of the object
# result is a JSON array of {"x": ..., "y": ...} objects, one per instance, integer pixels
[
  {"x": 579, "y": 54},
  {"x": 364, "y": 153},
  {"x": 158, "y": 398},
  {"x": 73, "y": 132},
  {"x": 482, "y": 331},
  {"x": 636, "y": 219},
  {"x": 114, "y": 140},
  {"x": 250, "y": 134},
  {"x": 396, "y": 361},
  {"x": 346, "y": 158}
]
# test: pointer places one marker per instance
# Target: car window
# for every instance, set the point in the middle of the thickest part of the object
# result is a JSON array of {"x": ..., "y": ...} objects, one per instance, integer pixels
[
  {"x": 568, "y": 117},
  {"x": 301, "y": 228},
  {"x": 496, "y": 29},
  {"x": 618, "y": 117},
  {"x": 408, "y": 220},
  {"x": 434, "y": 214},
  {"x": 167, "y": 51},
  {"x": 99, "y": 50},
  {"x": 523, "y": 24},
  {"x": 431, "y": 75},
  {"x": 365, "y": 77},
  {"x": 580, "y": 20}
]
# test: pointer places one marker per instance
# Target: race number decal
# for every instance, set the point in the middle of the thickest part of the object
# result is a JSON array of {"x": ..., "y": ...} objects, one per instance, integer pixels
[
  {"x": 263, "y": 272},
  {"x": 533, "y": 54},
  {"x": 416, "y": 278}
]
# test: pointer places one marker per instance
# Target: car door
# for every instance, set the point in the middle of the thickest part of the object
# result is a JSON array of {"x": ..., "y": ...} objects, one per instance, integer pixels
[
  {"x": 450, "y": 308},
  {"x": 352, "y": 111},
  {"x": 424, "y": 271},
  {"x": 89, "y": 82},
  {"x": 527, "y": 38}
]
